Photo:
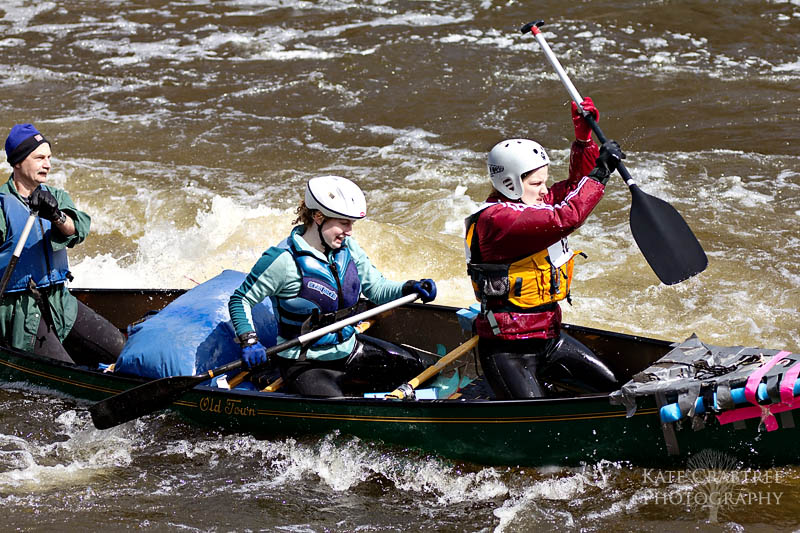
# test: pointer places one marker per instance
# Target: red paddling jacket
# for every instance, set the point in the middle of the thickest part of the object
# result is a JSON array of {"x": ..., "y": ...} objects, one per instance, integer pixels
[{"x": 518, "y": 257}]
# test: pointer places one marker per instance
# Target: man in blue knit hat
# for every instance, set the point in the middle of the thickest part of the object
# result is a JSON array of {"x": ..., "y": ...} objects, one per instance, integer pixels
[{"x": 37, "y": 312}]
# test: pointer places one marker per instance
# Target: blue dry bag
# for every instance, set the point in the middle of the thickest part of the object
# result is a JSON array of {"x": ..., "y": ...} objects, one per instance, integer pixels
[{"x": 193, "y": 333}]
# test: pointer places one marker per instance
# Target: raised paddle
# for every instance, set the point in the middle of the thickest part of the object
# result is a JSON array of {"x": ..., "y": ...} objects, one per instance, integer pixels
[
  {"x": 406, "y": 390},
  {"x": 158, "y": 394},
  {"x": 663, "y": 236},
  {"x": 12, "y": 263}
]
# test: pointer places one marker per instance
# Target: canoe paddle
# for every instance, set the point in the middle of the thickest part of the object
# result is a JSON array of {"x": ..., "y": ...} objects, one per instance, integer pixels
[
  {"x": 406, "y": 390},
  {"x": 663, "y": 236},
  {"x": 158, "y": 394},
  {"x": 361, "y": 327},
  {"x": 12, "y": 263}
]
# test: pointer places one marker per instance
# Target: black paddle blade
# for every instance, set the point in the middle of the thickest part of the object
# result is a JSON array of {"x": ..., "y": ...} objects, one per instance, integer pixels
[
  {"x": 665, "y": 239},
  {"x": 139, "y": 401}
]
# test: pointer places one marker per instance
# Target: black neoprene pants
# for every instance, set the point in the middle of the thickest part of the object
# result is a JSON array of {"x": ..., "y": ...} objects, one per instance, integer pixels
[
  {"x": 373, "y": 366},
  {"x": 519, "y": 369},
  {"x": 92, "y": 340}
]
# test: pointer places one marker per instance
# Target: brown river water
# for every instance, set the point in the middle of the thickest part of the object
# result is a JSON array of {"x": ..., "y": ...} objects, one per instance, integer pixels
[{"x": 187, "y": 130}]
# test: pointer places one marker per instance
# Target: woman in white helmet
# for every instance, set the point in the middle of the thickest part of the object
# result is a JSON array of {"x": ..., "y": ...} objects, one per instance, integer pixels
[
  {"x": 521, "y": 266},
  {"x": 314, "y": 278}
]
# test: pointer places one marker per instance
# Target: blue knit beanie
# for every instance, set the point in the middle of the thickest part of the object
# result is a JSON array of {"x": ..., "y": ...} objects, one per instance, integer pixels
[{"x": 22, "y": 140}]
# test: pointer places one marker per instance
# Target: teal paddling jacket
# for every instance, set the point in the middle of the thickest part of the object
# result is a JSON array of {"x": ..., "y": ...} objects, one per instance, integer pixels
[{"x": 276, "y": 274}]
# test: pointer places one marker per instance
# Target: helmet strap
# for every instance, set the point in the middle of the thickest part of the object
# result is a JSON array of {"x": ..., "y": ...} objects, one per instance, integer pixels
[{"x": 322, "y": 237}]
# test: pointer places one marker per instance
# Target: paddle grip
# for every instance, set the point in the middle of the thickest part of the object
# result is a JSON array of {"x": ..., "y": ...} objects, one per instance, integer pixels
[
  {"x": 533, "y": 27},
  {"x": 233, "y": 365}
]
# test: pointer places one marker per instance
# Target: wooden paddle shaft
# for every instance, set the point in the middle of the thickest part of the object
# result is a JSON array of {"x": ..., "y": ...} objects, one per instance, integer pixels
[{"x": 431, "y": 371}]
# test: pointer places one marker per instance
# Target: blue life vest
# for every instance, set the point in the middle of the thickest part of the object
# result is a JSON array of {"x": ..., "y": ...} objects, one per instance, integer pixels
[
  {"x": 329, "y": 291},
  {"x": 38, "y": 261}
]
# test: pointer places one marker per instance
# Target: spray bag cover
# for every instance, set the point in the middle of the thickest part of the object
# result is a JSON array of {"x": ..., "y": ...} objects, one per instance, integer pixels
[{"x": 193, "y": 333}]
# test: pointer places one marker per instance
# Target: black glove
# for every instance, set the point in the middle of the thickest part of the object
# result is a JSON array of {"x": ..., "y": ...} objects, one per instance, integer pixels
[
  {"x": 607, "y": 162},
  {"x": 46, "y": 205},
  {"x": 426, "y": 289}
]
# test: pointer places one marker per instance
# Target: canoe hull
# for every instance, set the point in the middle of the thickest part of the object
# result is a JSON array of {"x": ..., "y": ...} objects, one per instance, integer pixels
[{"x": 559, "y": 431}]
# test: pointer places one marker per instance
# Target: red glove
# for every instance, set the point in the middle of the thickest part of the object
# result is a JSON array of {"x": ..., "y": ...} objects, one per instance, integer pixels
[{"x": 583, "y": 132}]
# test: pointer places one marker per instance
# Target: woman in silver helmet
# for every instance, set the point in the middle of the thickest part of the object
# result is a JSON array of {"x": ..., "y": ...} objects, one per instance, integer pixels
[
  {"x": 315, "y": 277},
  {"x": 521, "y": 265}
]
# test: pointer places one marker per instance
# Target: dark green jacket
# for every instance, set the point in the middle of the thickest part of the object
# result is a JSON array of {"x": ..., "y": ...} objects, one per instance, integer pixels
[{"x": 19, "y": 313}]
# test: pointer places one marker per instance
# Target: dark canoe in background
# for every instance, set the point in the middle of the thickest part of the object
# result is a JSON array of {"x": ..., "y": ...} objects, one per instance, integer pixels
[{"x": 552, "y": 431}]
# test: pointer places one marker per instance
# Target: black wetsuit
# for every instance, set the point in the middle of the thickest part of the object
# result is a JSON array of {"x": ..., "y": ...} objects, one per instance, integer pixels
[
  {"x": 529, "y": 368},
  {"x": 374, "y": 365}
]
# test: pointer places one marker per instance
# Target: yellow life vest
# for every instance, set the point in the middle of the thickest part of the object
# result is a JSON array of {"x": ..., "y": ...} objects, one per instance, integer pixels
[{"x": 533, "y": 281}]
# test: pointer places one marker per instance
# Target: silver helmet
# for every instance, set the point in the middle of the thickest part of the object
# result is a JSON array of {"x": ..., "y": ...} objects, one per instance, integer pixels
[
  {"x": 336, "y": 197},
  {"x": 512, "y": 158}
]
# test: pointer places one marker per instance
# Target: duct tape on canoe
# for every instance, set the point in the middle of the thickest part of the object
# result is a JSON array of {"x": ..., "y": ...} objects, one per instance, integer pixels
[{"x": 695, "y": 378}]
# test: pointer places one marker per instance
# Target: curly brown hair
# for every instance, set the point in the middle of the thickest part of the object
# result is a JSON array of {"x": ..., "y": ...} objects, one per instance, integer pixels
[{"x": 304, "y": 214}]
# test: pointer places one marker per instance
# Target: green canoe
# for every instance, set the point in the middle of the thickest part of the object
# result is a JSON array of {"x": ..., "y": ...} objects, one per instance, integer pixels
[{"x": 566, "y": 430}]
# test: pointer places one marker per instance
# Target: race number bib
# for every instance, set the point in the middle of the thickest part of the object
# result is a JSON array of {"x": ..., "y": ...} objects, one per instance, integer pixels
[{"x": 559, "y": 252}]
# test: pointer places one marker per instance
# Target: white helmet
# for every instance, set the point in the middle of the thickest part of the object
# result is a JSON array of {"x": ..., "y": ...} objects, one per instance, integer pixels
[
  {"x": 336, "y": 197},
  {"x": 512, "y": 158}
]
